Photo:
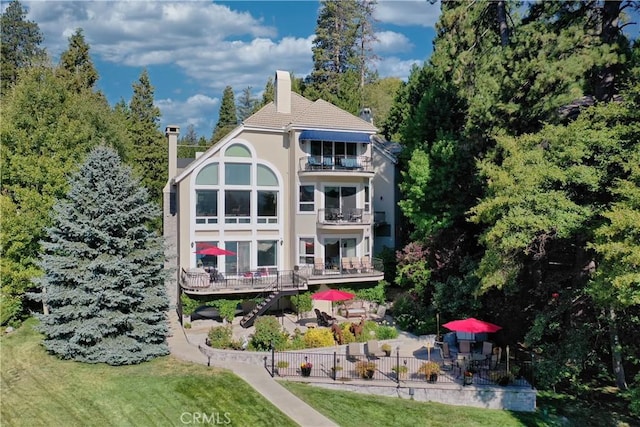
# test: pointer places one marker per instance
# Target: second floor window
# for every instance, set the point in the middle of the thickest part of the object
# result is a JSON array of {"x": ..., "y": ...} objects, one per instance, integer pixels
[{"x": 307, "y": 198}]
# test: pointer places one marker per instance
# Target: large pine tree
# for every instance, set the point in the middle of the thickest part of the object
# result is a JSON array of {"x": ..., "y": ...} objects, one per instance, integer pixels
[
  {"x": 227, "y": 118},
  {"x": 20, "y": 45},
  {"x": 77, "y": 65},
  {"x": 104, "y": 275}
]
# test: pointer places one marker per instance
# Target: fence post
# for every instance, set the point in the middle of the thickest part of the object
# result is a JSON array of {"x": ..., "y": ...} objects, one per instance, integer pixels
[
  {"x": 398, "y": 365},
  {"x": 533, "y": 371},
  {"x": 335, "y": 366},
  {"x": 273, "y": 358}
]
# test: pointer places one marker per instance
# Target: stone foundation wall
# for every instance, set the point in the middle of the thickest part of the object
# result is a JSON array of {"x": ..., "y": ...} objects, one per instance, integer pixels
[{"x": 510, "y": 398}]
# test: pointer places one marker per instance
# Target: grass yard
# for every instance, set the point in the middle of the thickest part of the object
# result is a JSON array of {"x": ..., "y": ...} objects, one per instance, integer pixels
[
  {"x": 361, "y": 410},
  {"x": 38, "y": 389}
]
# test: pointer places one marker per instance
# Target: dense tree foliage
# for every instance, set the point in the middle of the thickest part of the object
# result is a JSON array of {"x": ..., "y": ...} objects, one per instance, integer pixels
[
  {"x": 227, "y": 117},
  {"x": 76, "y": 63},
  {"x": 46, "y": 130},
  {"x": 104, "y": 275},
  {"x": 150, "y": 155},
  {"x": 20, "y": 47},
  {"x": 503, "y": 126},
  {"x": 246, "y": 104}
]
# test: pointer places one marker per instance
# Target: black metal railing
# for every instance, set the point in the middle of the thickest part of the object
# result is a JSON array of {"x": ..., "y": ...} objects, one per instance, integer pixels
[
  {"x": 258, "y": 281},
  {"x": 339, "y": 163},
  {"x": 394, "y": 368},
  {"x": 352, "y": 216}
]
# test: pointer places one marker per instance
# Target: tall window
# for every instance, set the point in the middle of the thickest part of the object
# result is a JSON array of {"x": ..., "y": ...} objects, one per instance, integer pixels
[
  {"x": 206, "y": 206},
  {"x": 237, "y": 206},
  {"x": 241, "y": 262},
  {"x": 367, "y": 247},
  {"x": 307, "y": 198},
  {"x": 267, "y": 207},
  {"x": 306, "y": 251},
  {"x": 267, "y": 254}
]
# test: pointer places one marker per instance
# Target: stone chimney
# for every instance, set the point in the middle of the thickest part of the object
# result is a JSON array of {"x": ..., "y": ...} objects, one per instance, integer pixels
[
  {"x": 283, "y": 92},
  {"x": 172, "y": 132}
]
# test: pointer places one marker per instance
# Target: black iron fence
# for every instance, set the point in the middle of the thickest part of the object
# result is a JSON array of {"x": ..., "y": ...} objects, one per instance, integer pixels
[{"x": 396, "y": 368}]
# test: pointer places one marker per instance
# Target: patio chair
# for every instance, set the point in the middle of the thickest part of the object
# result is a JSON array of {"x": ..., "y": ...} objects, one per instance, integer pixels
[
  {"x": 346, "y": 266},
  {"x": 318, "y": 266},
  {"x": 354, "y": 351},
  {"x": 380, "y": 313},
  {"x": 329, "y": 320},
  {"x": 320, "y": 318},
  {"x": 365, "y": 262},
  {"x": 464, "y": 347},
  {"x": 496, "y": 357},
  {"x": 314, "y": 163},
  {"x": 373, "y": 349},
  {"x": 355, "y": 263},
  {"x": 447, "y": 359}
]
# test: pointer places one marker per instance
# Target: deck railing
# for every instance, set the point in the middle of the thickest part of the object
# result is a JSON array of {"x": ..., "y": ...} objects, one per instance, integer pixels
[
  {"x": 195, "y": 281},
  {"x": 337, "y": 163}
]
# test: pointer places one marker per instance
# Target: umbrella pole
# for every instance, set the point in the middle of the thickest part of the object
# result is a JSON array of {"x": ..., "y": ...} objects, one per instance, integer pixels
[{"x": 438, "y": 323}]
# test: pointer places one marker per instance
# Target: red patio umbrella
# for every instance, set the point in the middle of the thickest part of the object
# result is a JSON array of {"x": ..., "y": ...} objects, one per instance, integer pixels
[
  {"x": 471, "y": 325},
  {"x": 332, "y": 295},
  {"x": 214, "y": 250}
]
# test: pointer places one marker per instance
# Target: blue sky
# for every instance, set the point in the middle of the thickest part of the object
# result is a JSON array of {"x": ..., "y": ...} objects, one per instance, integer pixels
[{"x": 194, "y": 49}]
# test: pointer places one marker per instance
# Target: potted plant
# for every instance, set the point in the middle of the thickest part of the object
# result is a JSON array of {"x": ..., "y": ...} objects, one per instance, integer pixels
[
  {"x": 387, "y": 349},
  {"x": 401, "y": 372},
  {"x": 467, "y": 377},
  {"x": 281, "y": 365},
  {"x": 365, "y": 369},
  {"x": 430, "y": 371},
  {"x": 305, "y": 369}
]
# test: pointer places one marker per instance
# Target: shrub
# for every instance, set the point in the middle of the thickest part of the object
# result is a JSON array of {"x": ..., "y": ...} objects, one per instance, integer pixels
[
  {"x": 386, "y": 348},
  {"x": 268, "y": 331},
  {"x": 226, "y": 308},
  {"x": 189, "y": 305},
  {"x": 302, "y": 303},
  {"x": 221, "y": 337},
  {"x": 347, "y": 336},
  {"x": 386, "y": 332},
  {"x": 187, "y": 325},
  {"x": 364, "y": 369},
  {"x": 402, "y": 369},
  {"x": 375, "y": 294},
  {"x": 429, "y": 368},
  {"x": 318, "y": 337},
  {"x": 296, "y": 342}
]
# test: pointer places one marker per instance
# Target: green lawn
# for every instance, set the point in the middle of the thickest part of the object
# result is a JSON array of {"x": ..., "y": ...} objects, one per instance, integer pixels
[
  {"x": 362, "y": 410},
  {"x": 38, "y": 389}
]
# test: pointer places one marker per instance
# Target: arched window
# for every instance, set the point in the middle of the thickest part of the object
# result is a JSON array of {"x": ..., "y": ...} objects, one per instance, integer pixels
[{"x": 237, "y": 150}]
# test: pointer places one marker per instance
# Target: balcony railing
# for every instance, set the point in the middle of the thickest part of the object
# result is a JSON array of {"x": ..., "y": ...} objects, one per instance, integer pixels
[
  {"x": 351, "y": 267},
  {"x": 338, "y": 163},
  {"x": 201, "y": 281},
  {"x": 345, "y": 217}
]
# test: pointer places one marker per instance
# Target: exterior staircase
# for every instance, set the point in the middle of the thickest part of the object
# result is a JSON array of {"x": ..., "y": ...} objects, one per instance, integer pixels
[{"x": 269, "y": 301}]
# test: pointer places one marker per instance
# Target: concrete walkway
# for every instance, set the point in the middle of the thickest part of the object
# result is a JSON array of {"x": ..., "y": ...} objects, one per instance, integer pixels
[{"x": 255, "y": 376}]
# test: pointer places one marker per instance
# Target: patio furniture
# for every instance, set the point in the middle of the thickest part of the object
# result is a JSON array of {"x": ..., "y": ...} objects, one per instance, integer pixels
[
  {"x": 314, "y": 163},
  {"x": 445, "y": 354},
  {"x": 320, "y": 318},
  {"x": 354, "y": 351},
  {"x": 355, "y": 309},
  {"x": 328, "y": 319},
  {"x": 318, "y": 266},
  {"x": 355, "y": 263},
  {"x": 346, "y": 266},
  {"x": 365, "y": 263},
  {"x": 373, "y": 349},
  {"x": 464, "y": 347},
  {"x": 380, "y": 314}
]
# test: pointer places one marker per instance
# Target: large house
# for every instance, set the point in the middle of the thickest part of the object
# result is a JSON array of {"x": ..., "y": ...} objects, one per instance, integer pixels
[{"x": 283, "y": 203}]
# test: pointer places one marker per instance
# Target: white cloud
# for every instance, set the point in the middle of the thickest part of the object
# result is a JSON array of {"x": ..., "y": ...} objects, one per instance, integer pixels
[
  {"x": 394, "y": 67},
  {"x": 408, "y": 12},
  {"x": 198, "y": 110},
  {"x": 390, "y": 41}
]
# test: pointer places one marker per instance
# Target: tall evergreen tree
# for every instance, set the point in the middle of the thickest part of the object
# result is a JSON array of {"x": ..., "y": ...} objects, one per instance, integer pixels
[
  {"x": 104, "y": 275},
  {"x": 150, "y": 154},
  {"x": 246, "y": 104},
  {"x": 20, "y": 47},
  {"x": 76, "y": 63},
  {"x": 227, "y": 118}
]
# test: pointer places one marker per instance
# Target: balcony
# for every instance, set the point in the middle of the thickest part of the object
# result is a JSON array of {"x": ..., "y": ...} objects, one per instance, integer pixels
[
  {"x": 339, "y": 164},
  {"x": 343, "y": 218},
  {"x": 198, "y": 281},
  {"x": 354, "y": 270}
]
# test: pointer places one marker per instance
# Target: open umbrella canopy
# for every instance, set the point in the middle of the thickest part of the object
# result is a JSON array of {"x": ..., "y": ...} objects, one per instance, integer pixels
[
  {"x": 332, "y": 295},
  {"x": 214, "y": 250},
  {"x": 471, "y": 325}
]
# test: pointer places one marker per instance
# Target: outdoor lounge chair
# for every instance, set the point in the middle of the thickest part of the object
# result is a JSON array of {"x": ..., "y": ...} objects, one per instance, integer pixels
[
  {"x": 464, "y": 347},
  {"x": 320, "y": 318},
  {"x": 366, "y": 264},
  {"x": 445, "y": 354},
  {"x": 318, "y": 266},
  {"x": 379, "y": 314},
  {"x": 354, "y": 351},
  {"x": 373, "y": 349},
  {"x": 327, "y": 318},
  {"x": 347, "y": 267}
]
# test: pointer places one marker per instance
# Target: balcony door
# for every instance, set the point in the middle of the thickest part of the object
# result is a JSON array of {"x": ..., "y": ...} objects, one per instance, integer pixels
[
  {"x": 337, "y": 248},
  {"x": 341, "y": 198}
]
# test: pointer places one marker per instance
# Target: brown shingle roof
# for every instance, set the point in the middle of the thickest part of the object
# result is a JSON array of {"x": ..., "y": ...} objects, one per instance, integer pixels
[{"x": 305, "y": 113}]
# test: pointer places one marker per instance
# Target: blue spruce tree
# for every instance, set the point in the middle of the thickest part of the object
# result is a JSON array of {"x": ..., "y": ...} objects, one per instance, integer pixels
[{"x": 104, "y": 276}]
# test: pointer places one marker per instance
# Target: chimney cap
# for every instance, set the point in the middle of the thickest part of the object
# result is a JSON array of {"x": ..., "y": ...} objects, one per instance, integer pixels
[{"x": 172, "y": 129}]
